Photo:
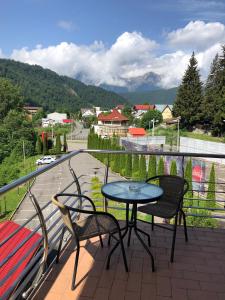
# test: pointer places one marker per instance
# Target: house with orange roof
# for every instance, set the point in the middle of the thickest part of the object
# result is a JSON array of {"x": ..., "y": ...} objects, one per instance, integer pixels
[
  {"x": 136, "y": 132},
  {"x": 112, "y": 123},
  {"x": 140, "y": 109}
]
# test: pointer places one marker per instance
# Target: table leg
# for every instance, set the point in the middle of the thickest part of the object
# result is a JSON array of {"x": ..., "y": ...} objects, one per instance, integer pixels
[
  {"x": 139, "y": 237},
  {"x": 123, "y": 235}
]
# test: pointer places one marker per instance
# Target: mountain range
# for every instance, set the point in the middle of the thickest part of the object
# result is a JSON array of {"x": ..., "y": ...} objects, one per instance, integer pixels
[
  {"x": 147, "y": 82},
  {"x": 160, "y": 96},
  {"x": 46, "y": 88}
]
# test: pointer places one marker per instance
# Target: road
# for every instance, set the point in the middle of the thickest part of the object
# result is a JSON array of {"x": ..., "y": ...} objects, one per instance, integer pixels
[{"x": 58, "y": 178}]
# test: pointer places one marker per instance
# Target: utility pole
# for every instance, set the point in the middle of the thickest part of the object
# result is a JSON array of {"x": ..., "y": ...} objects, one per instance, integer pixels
[{"x": 153, "y": 125}]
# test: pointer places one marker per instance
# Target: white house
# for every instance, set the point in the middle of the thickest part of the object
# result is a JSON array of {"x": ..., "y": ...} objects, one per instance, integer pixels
[{"x": 56, "y": 118}]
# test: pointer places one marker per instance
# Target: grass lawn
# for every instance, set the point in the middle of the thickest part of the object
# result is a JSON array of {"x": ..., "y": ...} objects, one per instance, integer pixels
[
  {"x": 171, "y": 135},
  {"x": 10, "y": 200}
]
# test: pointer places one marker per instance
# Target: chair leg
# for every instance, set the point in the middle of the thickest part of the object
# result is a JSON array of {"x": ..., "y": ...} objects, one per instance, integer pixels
[
  {"x": 60, "y": 244},
  {"x": 75, "y": 267},
  {"x": 185, "y": 226},
  {"x": 109, "y": 239},
  {"x": 152, "y": 222},
  {"x": 101, "y": 242},
  {"x": 174, "y": 239},
  {"x": 129, "y": 235},
  {"x": 123, "y": 252}
]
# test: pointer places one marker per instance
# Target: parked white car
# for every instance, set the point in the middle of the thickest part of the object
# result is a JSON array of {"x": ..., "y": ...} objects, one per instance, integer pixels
[{"x": 45, "y": 160}]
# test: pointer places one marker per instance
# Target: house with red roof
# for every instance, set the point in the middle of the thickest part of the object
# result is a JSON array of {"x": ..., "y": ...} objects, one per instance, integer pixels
[
  {"x": 140, "y": 109},
  {"x": 112, "y": 123},
  {"x": 136, "y": 132}
]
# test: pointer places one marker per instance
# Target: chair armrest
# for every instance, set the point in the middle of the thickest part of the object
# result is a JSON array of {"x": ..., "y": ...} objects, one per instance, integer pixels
[
  {"x": 90, "y": 212},
  {"x": 78, "y": 196}
]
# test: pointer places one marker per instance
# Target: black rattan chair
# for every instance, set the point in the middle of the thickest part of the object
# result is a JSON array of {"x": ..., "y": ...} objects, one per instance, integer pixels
[
  {"x": 88, "y": 223},
  {"x": 169, "y": 205}
]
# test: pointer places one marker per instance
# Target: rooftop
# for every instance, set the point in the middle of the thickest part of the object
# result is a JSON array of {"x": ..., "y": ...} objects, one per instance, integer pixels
[
  {"x": 113, "y": 116},
  {"x": 144, "y": 107}
]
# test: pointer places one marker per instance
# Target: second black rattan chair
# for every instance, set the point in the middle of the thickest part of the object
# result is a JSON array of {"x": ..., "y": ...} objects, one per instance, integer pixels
[
  {"x": 169, "y": 205},
  {"x": 88, "y": 224}
]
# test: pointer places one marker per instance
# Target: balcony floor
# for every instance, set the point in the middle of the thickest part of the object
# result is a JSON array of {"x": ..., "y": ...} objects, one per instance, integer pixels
[{"x": 198, "y": 271}]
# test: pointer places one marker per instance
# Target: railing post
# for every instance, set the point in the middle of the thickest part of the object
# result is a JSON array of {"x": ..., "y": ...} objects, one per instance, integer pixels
[{"x": 105, "y": 201}]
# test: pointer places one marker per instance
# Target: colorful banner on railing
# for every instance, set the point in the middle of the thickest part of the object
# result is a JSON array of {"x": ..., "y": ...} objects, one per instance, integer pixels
[{"x": 198, "y": 170}]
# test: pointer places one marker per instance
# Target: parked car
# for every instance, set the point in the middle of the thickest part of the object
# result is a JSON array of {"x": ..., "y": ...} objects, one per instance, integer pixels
[{"x": 45, "y": 160}]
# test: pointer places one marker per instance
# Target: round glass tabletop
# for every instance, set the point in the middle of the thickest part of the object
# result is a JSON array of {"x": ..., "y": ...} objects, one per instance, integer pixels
[{"x": 132, "y": 191}]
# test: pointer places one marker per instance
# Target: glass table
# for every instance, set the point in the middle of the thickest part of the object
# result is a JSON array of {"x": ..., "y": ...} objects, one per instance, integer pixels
[{"x": 134, "y": 193}]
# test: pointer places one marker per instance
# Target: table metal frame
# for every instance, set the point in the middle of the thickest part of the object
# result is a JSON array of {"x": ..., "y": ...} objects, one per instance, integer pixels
[{"x": 131, "y": 224}]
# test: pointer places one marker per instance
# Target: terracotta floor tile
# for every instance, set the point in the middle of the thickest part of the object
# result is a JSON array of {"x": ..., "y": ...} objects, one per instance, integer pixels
[{"x": 197, "y": 272}]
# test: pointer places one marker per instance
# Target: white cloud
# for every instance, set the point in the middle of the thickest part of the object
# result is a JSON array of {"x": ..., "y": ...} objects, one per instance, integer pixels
[
  {"x": 197, "y": 35},
  {"x": 66, "y": 25},
  {"x": 131, "y": 55}
]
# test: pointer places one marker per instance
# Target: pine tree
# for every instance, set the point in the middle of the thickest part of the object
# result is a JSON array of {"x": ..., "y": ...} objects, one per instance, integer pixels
[
  {"x": 152, "y": 165},
  {"x": 188, "y": 177},
  {"x": 65, "y": 145},
  {"x": 209, "y": 102},
  {"x": 189, "y": 98},
  {"x": 39, "y": 145},
  {"x": 173, "y": 168},
  {"x": 219, "y": 96},
  {"x": 142, "y": 168},
  {"x": 128, "y": 169},
  {"x": 160, "y": 170},
  {"x": 211, "y": 194},
  {"x": 135, "y": 169},
  {"x": 58, "y": 145},
  {"x": 45, "y": 145}
]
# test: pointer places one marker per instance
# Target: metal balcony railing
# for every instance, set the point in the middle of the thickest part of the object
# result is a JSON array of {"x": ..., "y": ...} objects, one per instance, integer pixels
[{"x": 50, "y": 225}]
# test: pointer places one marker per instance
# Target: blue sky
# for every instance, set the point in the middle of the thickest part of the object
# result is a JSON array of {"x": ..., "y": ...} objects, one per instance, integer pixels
[{"x": 100, "y": 30}]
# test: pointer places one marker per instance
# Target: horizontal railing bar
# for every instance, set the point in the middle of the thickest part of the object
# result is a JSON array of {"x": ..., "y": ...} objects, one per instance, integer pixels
[
  {"x": 205, "y": 216},
  {"x": 36, "y": 173},
  {"x": 66, "y": 157},
  {"x": 17, "y": 265},
  {"x": 163, "y": 153},
  {"x": 206, "y": 208},
  {"x": 203, "y": 199},
  {"x": 26, "y": 269}
]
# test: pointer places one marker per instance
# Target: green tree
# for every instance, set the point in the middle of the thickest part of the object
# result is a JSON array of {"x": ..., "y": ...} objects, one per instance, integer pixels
[
  {"x": 128, "y": 169},
  {"x": 39, "y": 145},
  {"x": 189, "y": 98},
  {"x": 58, "y": 144},
  {"x": 218, "y": 92},
  {"x": 65, "y": 145},
  {"x": 152, "y": 165},
  {"x": 128, "y": 112},
  {"x": 188, "y": 177},
  {"x": 173, "y": 168},
  {"x": 160, "y": 170},
  {"x": 211, "y": 194},
  {"x": 10, "y": 97},
  {"x": 142, "y": 168},
  {"x": 135, "y": 169},
  {"x": 209, "y": 108},
  {"x": 149, "y": 116},
  {"x": 45, "y": 145}
]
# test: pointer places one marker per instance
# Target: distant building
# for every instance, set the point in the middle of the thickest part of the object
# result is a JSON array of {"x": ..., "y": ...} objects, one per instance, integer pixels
[
  {"x": 140, "y": 109},
  {"x": 120, "y": 107},
  {"x": 112, "y": 123},
  {"x": 31, "y": 110},
  {"x": 54, "y": 118},
  {"x": 136, "y": 132},
  {"x": 87, "y": 112},
  {"x": 166, "y": 111}
]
